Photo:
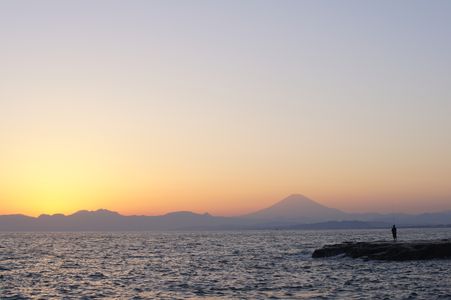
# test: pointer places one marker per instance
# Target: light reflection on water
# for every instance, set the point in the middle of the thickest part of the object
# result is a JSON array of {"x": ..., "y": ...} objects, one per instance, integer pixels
[{"x": 252, "y": 264}]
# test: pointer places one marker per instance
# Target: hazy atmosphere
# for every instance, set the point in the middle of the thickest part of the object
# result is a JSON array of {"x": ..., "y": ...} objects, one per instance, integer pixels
[{"x": 148, "y": 107}]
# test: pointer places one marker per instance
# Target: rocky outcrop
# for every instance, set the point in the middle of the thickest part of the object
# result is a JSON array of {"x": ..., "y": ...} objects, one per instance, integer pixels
[{"x": 383, "y": 250}]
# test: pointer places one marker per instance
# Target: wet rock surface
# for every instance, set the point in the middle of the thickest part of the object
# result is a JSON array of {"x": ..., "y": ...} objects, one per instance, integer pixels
[{"x": 383, "y": 250}]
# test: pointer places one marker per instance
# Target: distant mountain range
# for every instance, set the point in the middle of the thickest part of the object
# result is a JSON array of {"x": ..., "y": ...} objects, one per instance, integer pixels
[{"x": 293, "y": 212}]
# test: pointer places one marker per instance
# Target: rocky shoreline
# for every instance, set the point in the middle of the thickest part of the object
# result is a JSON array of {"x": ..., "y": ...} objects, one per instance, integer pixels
[{"x": 384, "y": 250}]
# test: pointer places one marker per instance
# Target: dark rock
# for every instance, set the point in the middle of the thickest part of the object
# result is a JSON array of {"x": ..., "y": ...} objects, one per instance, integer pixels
[{"x": 383, "y": 250}]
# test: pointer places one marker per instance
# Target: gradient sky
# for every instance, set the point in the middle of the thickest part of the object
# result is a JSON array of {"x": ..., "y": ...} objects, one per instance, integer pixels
[{"x": 146, "y": 107}]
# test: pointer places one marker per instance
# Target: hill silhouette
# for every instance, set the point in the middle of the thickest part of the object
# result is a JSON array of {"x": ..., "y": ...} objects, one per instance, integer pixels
[{"x": 294, "y": 212}]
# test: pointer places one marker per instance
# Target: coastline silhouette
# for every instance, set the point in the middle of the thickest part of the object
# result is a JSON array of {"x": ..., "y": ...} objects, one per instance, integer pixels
[{"x": 293, "y": 212}]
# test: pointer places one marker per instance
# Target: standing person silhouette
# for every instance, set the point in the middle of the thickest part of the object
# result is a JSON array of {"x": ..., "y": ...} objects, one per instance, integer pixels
[{"x": 394, "y": 233}]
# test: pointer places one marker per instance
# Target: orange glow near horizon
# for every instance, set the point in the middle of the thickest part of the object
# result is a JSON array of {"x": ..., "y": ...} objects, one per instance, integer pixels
[
  {"x": 63, "y": 175},
  {"x": 65, "y": 184}
]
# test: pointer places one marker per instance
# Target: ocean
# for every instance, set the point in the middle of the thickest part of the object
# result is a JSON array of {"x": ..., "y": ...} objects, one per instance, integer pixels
[{"x": 212, "y": 265}]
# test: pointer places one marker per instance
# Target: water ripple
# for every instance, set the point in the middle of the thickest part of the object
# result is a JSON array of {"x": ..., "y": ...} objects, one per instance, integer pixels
[{"x": 213, "y": 265}]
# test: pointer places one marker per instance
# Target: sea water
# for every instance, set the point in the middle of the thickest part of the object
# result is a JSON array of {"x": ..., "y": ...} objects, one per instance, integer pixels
[{"x": 229, "y": 265}]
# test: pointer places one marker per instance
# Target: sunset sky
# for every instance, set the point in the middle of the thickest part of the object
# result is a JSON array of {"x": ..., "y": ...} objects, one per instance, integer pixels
[{"x": 147, "y": 107}]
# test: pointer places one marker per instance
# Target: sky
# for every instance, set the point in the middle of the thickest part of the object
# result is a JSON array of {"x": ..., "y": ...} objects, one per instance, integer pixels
[{"x": 148, "y": 107}]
